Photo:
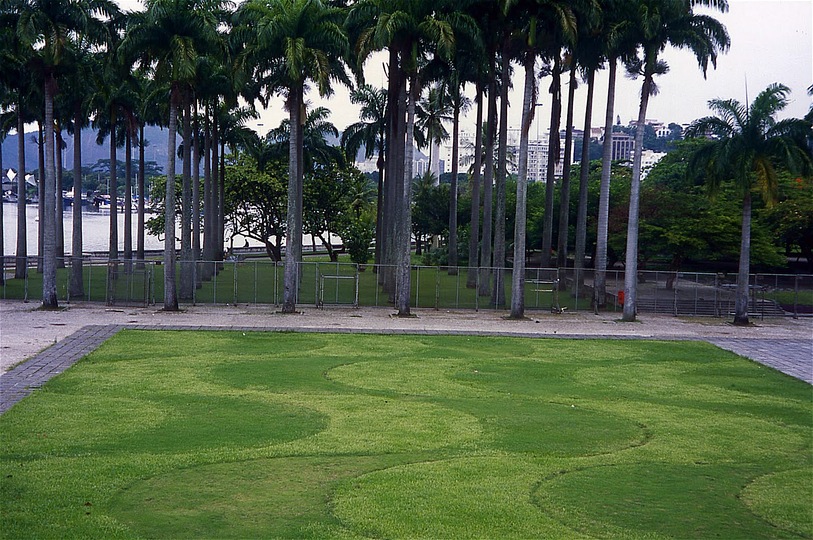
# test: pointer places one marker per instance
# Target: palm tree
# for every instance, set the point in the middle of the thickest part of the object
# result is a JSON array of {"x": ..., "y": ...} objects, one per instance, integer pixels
[
  {"x": 293, "y": 42},
  {"x": 460, "y": 105},
  {"x": 370, "y": 132},
  {"x": 430, "y": 114},
  {"x": 52, "y": 24},
  {"x": 557, "y": 12},
  {"x": 747, "y": 145},
  {"x": 169, "y": 36},
  {"x": 661, "y": 23},
  {"x": 589, "y": 56},
  {"x": 620, "y": 43}
]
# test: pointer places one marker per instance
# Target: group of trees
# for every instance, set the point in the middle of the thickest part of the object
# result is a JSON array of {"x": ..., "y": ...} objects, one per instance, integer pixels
[{"x": 185, "y": 64}]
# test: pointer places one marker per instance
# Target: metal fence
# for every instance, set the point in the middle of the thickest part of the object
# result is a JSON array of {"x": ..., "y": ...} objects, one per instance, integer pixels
[{"x": 343, "y": 284}]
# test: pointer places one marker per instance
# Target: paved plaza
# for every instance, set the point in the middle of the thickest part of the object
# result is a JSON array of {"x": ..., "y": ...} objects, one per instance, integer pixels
[{"x": 36, "y": 345}]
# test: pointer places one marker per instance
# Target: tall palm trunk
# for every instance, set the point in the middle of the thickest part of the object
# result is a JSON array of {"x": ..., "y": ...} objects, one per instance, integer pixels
[
  {"x": 49, "y": 299},
  {"x": 196, "y": 201},
  {"x": 209, "y": 217},
  {"x": 600, "y": 279},
  {"x": 76, "y": 288},
  {"x": 394, "y": 163},
  {"x": 170, "y": 292},
  {"x": 21, "y": 260},
  {"x": 584, "y": 175},
  {"x": 141, "y": 195},
  {"x": 379, "y": 207},
  {"x": 518, "y": 275},
  {"x": 128, "y": 195},
  {"x": 553, "y": 159},
  {"x": 404, "y": 233},
  {"x": 453, "y": 256},
  {"x": 741, "y": 299},
  {"x": 113, "y": 246},
  {"x": 498, "y": 295},
  {"x": 59, "y": 232},
  {"x": 488, "y": 185},
  {"x": 631, "y": 266},
  {"x": 564, "y": 193},
  {"x": 293, "y": 237},
  {"x": 40, "y": 195},
  {"x": 474, "y": 224},
  {"x": 2, "y": 227},
  {"x": 186, "y": 289}
]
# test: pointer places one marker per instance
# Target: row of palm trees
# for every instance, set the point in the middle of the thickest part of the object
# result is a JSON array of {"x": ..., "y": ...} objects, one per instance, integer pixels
[{"x": 197, "y": 57}]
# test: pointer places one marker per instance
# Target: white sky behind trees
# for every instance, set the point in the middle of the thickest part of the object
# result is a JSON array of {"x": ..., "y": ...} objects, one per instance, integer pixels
[{"x": 771, "y": 41}]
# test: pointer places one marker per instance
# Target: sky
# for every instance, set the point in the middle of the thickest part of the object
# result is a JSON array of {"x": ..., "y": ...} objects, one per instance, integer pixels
[{"x": 771, "y": 41}]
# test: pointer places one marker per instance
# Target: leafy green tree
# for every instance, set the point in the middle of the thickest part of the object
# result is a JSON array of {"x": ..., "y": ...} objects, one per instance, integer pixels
[
  {"x": 748, "y": 145},
  {"x": 255, "y": 202},
  {"x": 333, "y": 198}
]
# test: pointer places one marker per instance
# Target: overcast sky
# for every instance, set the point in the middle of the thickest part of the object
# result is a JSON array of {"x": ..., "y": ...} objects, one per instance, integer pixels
[{"x": 771, "y": 41}]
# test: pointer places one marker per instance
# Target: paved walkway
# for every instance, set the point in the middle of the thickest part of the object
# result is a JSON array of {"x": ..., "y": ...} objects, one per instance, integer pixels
[{"x": 37, "y": 345}]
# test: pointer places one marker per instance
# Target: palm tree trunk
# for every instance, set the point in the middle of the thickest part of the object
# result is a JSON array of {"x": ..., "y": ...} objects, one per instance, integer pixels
[
  {"x": 741, "y": 300},
  {"x": 564, "y": 193},
  {"x": 21, "y": 260},
  {"x": 196, "y": 201},
  {"x": 76, "y": 288},
  {"x": 113, "y": 246},
  {"x": 631, "y": 266},
  {"x": 518, "y": 275},
  {"x": 402, "y": 279},
  {"x": 474, "y": 224},
  {"x": 498, "y": 295},
  {"x": 59, "y": 233},
  {"x": 170, "y": 293},
  {"x": 488, "y": 185},
  {"x": 395, "y": 149},
  {"x": 128, "y": 196},
  {"x": 49, "y": 298},
  {"x": 553, "y": 159},
  {"x": 41, "y": 195},
  {"x": 379, "y": 207},
  {"x": 187, "y": 264},
  {"x": 2, "y": 225},
  {"x": 584, "y": 175},
  {"x": 453, "y": 257},
  {"x": 209, "y": 217},
  {"x": 141, "y": 195},
  {"x": 600, "y": 279},
  {"x": 293, "y": 237}
]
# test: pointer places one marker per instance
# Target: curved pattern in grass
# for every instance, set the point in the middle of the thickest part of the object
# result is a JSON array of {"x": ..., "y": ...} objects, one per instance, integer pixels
[
  {"x": 783, "y": 499},
  {"x": 456, "y": 498},
  {"x": 369, "y": 424},
  {"x": 431, "y": 376},
  {"x": 90, "y": 423},
  {"x": 279, "y": 498},
  {"x": 653, "y": 499},
  {"x": 556, "y": 429},
  {"x": 199, "y": 422}
]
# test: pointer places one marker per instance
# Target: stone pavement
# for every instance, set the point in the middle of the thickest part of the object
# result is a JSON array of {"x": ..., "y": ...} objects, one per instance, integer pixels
[{"x": 36, "y": 345}]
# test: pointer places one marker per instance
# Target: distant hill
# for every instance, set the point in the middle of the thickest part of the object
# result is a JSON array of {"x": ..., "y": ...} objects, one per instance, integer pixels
[{"x": 91, "y": 152}]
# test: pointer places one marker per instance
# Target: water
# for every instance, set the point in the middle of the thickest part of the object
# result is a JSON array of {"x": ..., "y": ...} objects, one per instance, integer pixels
[{"x": 95, "y": 230}]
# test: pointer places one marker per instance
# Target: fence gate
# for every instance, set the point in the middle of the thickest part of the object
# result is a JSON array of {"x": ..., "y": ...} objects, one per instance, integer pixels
[{"x": 338, "y": 285}]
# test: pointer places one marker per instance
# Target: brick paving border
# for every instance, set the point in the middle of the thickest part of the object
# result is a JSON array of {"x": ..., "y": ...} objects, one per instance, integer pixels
[{"x": 793, "y": 357}]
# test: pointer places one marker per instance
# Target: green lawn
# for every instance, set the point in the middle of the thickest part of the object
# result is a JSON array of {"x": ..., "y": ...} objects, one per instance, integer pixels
[{"x": 162, "y": 434}]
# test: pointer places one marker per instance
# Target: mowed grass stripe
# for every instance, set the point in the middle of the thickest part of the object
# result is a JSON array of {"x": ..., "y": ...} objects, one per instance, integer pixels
[{"x": 181, "y": 434}]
